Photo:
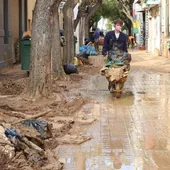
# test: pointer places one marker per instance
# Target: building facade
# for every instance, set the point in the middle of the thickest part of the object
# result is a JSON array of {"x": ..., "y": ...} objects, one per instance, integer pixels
[
  {"x": 157, "y": 26},
  {"x": 139, "y": 23},
  {"x": 165, "y": 26},
  {"x": 154, "y": 39},
  {"x": 13, "y": 22}
]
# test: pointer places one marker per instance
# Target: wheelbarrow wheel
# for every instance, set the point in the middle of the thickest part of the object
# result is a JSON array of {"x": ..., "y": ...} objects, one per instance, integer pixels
[{"x": 118, "y": 90}]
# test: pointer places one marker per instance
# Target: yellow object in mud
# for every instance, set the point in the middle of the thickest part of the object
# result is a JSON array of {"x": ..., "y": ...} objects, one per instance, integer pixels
[{"x": 75, "y": 61}]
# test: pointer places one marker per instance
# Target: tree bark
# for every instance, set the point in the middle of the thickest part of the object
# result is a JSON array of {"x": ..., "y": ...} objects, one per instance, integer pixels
[
  {"x": 129, "y": 26},
  {"x": 75, "y": 3},
  {"x": 57, "y": 58},
  {"x": 77, "y": 20},
  {"x": 40, "y": 69},
  {"x": 82, "y": 31},
  {"x": 92, "y": 10},
  {"x": 69, "y": 32},
  {"x": 86, "y": 27},
  {"x": 81, "y": 12}
]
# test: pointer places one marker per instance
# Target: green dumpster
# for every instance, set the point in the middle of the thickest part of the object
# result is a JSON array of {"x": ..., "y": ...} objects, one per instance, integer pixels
[
  {"x": 75, "y": 41},
  {"x": 25, "y": 48}
]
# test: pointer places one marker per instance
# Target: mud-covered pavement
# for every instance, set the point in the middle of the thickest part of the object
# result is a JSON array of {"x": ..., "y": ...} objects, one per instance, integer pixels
[{"x": 132, "y": 132}]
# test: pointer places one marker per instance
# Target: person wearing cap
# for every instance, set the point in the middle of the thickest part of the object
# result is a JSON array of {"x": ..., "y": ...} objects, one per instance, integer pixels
[{"x": 115, "y": 36}]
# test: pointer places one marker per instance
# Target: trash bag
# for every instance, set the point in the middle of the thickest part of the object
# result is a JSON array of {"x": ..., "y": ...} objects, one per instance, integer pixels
[
  {"x": 70, "y": 68},
  {"x": 40, "y": 125}
]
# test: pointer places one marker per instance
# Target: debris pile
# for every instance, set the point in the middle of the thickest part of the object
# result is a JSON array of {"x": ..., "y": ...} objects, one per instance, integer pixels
[{"x": 24, "y": 141}]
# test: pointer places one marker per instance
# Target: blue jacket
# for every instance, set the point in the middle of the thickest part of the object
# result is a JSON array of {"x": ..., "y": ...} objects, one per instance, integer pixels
[
  {"x": 96, "y": 34},
  {"x": 110, "y": 39}
]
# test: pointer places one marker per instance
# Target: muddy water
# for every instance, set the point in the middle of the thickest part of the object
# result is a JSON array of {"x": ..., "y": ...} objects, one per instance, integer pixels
[{"x": 132, "y": 133}]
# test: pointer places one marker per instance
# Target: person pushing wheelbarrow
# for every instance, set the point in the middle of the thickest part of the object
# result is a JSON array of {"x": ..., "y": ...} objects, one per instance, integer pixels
[{"x": 116, "y": 53}]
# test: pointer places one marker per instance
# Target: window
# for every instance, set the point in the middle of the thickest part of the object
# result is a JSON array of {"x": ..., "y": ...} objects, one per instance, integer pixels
[{"x": 6, "y": 22}]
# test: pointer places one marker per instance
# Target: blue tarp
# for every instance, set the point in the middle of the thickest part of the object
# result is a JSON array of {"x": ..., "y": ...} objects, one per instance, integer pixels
[{"x": 87, "y": 50}]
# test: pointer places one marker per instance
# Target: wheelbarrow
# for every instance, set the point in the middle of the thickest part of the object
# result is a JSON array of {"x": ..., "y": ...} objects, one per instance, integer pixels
[{"x": 116, "y": 76}]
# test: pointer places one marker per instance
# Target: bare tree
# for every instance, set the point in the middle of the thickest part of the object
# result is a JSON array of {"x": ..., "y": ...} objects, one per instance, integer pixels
[
  {"x": 127, "y": 7},
  {"x": 91, "y": 12},
  {"x": 81, "y": 12},
  {"x": 87, "y": 9}
]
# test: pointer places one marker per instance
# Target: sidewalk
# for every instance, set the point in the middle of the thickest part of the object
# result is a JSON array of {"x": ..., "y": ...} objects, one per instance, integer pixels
[{"x": 143, "y": 59}]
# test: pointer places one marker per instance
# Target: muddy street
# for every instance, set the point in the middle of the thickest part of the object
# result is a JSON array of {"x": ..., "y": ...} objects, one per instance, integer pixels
[{"x": 132, "y": 132}]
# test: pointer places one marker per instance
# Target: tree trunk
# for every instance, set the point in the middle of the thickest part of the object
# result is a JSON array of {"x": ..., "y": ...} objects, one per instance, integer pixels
[
  {"x": 40, "y": 69},
  {"x": 77, "y": 20},
  {"x": 57, "y": 58},
  {"x": 88, "y": 17},
  {"x": 82, "y": 31},
  {"x": 69, "y": 32},
  {"x": 81, "y": 12},
  {"x": 129, "y": 26},
  {"x": 87, "y": 27},
  {"x": 127, "y": 9}
]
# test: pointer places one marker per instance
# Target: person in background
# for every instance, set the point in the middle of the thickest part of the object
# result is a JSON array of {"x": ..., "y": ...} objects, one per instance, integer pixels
[
  {"x": 115, "y": 37},
  {"x": 131, "y": 42},
  {"x": 96, "y": 39},
  {"x": 86, "y": 41}
]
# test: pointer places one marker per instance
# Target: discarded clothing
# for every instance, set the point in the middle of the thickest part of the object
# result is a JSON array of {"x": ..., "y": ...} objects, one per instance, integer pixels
[
  {"x": 11, "y": 133},
  {"x": 87, "y": 50},
  {"x": 39, "y": 125}
]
